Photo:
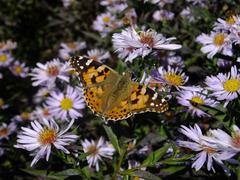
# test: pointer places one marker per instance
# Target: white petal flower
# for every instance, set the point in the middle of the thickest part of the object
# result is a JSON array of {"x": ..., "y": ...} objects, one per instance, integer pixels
[
  {"x": 227, "y": 24},
  {"x": 23, "y": 117},
  {"x": 162, "y": 14},
  {"x": 46, "y": 74},
  {"x": 173, "y": 76},
  {"x": 66, "y": 105},
  {"x": 225, "y": 86},
  {"x": 42, "y": 113},
  {"x": 131, "y": 44},
  {"x": 40, "y": 139},
  {"x": 9, "y": 45},
  {"x": 105, "y": 23},
  {"x": 7, "y": 130},
  {"x": 98, "y": 54},
  {"x": 215, "y": 43},
  {"x": 193, "y": 96},
  {"x": 5, "y": 59},
  {"x": 74, "y": 46},
  {"x": 224, "y": 140},
  {"x": 207, "y": 151},
  {"x": 175, "y": 61},
  {"x": 96, "y": 150},
  {"x": 19, "y": 69},
  {"x": 187, "y": 13}
]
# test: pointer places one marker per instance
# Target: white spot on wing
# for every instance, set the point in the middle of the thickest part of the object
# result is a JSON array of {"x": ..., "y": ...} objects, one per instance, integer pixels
[
  {"x": 155, "y": 96},
  {"x": 89, "y": 62}
]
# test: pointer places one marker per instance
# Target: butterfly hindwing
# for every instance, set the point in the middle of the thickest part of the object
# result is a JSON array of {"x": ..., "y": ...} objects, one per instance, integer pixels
[
  {"x": 114, "y": 96},
  {"x": 144, "y": 99},
  {"x": 122, "y": 111}
]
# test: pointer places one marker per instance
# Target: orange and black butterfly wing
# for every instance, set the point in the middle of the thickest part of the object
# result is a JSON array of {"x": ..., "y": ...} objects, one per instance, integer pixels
[
  {"x": 93, "y": 75},
  {"x": 144, "y": 99},
  {"x": 91, "y": 72}
]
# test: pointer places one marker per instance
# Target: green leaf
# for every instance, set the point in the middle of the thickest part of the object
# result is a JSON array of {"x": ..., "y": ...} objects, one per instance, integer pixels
[
  {"x": 36, "y": 172},
  {"x": 113, "y": 138},
  {"x": 177, "y": 161},
  {"x": 93, "y": 36},
  {"x": 217, "y": 112},
  {"x": 172, "y": 169},
  {"x": 53, "y": 175},
  {"x": 156, "y": 155},
  {"x": 83, "y": 156},
  {"x": 86, "y": 172},
  {"x": 68, "y": 172},
  {"x": 145, "y": 175}
]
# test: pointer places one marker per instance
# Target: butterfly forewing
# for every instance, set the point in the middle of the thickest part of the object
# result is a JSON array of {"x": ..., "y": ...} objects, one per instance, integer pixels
[{"x": 91, "y": 72}]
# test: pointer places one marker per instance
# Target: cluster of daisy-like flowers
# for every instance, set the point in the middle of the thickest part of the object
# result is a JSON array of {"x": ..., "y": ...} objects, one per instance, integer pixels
[
  {"x": 7, "y": 60},
  {"x": 68, "y": 49},
  {"x": 114, "y": 17},
  {"x": 162, "y": 14},
  {"x": 71, "y": 48},
  {"x": 18, "y": 69},
  {"x": 223, "y": 37},
  {"x": 56, "y": 103},
  {"x": 224, "y": 87},
  {"x": 216, "y": 146}
]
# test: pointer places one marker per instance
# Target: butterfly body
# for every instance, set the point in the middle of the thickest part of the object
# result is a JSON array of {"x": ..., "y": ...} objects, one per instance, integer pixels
[
  {"x": 118, "y": 88},
  {"x": 114, "y": 96}
]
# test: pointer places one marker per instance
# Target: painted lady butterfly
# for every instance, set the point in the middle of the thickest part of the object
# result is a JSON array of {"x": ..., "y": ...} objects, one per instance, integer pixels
[{"x": 113, "y": 96}]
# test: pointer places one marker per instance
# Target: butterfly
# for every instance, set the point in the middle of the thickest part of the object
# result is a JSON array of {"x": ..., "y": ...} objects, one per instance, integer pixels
[{"x": 111, "y": 95}]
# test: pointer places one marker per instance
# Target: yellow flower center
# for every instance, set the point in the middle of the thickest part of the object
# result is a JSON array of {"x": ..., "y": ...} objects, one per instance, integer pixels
[
  {"x": 18, "y": 69},
  {"x": 66, "y": 104},
  {"x": 146, "y": 38},
  {"x": 3, "y": 58},
  {"x": 231, "y": 85},
  {"x": 94, "y": 58},
  {"x": 53, "y": 71},
  {"x": 197, "y": 100},
  {"x": 209, "y": 150},
  {"x": 47, "y": 136},
  {"x": 46, "y": 112},
  {"x": 106, "y": 19},
  {"x": 1, "y": 102},
  {"x": 72, "y": 45},
  {"x": 92, "y": 149},
  {"x": 231, "y": 20},
  {"x": 3, "y": 132},
  {"x": 236, "y": 140},
  {"x": 126, "y": 20},
  {"x": 174, "y": 79},
  {"x": 219, "y": 39},
  {"x": 25, "y": 115},
  {"x": 45, "y": 93}
]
